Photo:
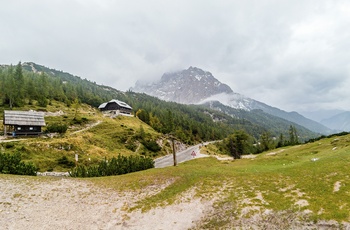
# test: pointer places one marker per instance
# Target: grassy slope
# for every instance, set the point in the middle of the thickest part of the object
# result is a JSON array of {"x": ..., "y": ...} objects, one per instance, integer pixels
[
  {"x": 107, "y": 139},
  {"x": 298, "y": 179}
]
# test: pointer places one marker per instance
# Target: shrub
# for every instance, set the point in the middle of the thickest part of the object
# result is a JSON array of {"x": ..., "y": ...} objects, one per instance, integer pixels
[
  {"x": 116, "y": 166},
  {"x": 79, "y": 121},
  {"x": 9, "y": 145},
  {"x": 65, "y": 161},
  {"x": 57, "y": 128},
  {"x": 12, "y": 164},
  {"x": 152, "y": 145},
  {"x": 131, "y": 146}
]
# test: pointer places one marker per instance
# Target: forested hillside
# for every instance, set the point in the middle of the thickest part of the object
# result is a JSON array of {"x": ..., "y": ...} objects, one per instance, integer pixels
[
  {"x": 32, "y": 84},
  {"x": 275, "y": 125},
  {"x": 23, "y": 85}
]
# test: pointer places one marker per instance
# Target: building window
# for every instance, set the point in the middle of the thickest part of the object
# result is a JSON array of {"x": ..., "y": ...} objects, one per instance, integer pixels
[{"x": 31, "y": 128}]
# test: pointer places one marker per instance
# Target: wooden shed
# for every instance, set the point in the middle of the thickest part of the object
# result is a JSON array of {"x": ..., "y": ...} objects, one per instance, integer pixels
[
  {"x": 23, "y": 122},
  {"x": 116, "y": 107}
]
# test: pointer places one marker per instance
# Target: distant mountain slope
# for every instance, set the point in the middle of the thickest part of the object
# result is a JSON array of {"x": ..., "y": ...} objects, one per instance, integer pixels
[
  {"x": 195, "y": 86},
  {"x": 339, "y": 122},
  {"x": 275, "y": 125}
]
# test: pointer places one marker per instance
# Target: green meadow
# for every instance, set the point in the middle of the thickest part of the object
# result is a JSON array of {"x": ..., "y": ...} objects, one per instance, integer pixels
[{"x": 309, "y": 181}]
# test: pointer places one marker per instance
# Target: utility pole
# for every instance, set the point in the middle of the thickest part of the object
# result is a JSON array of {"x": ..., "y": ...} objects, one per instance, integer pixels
[{"x": 174, "y": 153}]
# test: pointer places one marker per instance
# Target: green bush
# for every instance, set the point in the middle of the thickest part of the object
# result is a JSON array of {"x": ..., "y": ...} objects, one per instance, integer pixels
[
  {"x": 151, "y": 145},
  {"x": 116, "y": 166},
  {"x": 12, "y": 164},
  {"x": 57, "y": 128},
  {"x": 79, "y": 121},
  {"x": 65, "y": 161},
  {"x": 131, "y": 146},
  {"x": 9, "y": 145}
]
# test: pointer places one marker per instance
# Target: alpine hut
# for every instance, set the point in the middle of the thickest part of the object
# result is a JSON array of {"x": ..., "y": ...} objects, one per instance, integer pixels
[
  {"x": 23, "y": 122},
  {"x": 115, "y": 107}
]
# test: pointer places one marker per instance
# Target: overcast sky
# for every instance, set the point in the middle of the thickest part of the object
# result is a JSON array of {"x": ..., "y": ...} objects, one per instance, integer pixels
[{"x": 294, "y": 55}]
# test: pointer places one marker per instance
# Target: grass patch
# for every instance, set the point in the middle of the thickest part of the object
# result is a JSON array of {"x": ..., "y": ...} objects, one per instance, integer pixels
[{"x": 289, "y": 181}]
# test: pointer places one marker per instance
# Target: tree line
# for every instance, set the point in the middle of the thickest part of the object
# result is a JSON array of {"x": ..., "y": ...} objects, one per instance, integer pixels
[
  {"x": 20, "y": 86},
  {"x": 240, "y": 143}
]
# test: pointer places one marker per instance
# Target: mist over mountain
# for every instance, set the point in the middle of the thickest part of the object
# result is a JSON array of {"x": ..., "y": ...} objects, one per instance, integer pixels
[
  {"x": 339, "y": 122},
  {"x": 188, "y": 86},
  {"x": 196, "y": 86}
]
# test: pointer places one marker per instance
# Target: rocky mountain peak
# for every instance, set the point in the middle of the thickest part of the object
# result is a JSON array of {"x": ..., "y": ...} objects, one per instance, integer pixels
[{"x": 188, "y": 86}]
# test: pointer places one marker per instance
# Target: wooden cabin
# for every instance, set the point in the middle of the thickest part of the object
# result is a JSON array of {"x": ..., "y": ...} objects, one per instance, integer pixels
[
  {"x": 23, "y": 122},
  {"x": 115, "y": 107}
]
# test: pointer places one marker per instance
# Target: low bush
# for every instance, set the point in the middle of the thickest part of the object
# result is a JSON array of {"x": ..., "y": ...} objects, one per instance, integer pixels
[
  {"x": 57, "y": 128},
  {"x": 79, "y": 121},
  {"x": 151, "y": 145},
  {"x": 131, "y": 146},
  {"x": 9, "y": 145},
  {"x": 115, "y": 166},
  {"x": 12, "y": 164},
  {"x": 64, "y": 161}
]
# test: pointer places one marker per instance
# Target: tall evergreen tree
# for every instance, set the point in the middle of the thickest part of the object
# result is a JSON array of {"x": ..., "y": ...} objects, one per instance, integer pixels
[
  {"x": 238, "y": 143},
  {"x": 293, "y": 136},
  {"x": 265, "y": 141},
  {"x": 281, "y": 141},
  {"x": 9, "y": 87}
]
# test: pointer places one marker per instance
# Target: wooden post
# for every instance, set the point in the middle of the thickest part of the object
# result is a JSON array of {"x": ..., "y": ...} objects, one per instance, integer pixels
[
  {"x": 174, "y": 153},
  {"x": 76, "y": 160},
  {"x": 5, "y": 132}
]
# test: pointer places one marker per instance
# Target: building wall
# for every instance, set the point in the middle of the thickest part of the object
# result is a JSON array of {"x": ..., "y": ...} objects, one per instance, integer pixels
[
  {"x": 115, "y": 106},
  {"x": 27, "y": 129}
]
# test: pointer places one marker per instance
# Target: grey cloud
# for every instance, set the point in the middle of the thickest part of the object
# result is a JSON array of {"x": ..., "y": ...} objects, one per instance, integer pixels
[{"x": 290, "y": 54}]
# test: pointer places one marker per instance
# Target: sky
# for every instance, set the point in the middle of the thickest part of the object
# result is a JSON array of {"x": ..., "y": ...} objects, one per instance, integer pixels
[{"x": 291, "y": 54}]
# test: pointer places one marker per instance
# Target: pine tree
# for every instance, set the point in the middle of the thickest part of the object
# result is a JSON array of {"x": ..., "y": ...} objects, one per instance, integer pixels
[
  {"x": 18, "y": 85},
  {"x": 265, "y": 141},
  {"x": 9, "y": 85},
  {"x": 238, "y": 144},
  {"x": 293, "y": 136},
  {"x": 281, "y": 141}
]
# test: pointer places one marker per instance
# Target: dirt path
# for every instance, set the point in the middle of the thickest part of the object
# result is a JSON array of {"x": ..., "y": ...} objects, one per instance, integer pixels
[
  {"x": 2, "y": 139},
  {"x": 86, "y": 128},
  {"x": 68, "y": 203}
]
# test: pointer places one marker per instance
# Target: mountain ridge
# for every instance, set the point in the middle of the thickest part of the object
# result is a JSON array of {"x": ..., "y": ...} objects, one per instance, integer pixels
[{"x": 172, "y": 84}]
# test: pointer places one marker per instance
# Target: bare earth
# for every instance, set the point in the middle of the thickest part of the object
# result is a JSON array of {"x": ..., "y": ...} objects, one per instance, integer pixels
[{"x": 67, "y": 203}]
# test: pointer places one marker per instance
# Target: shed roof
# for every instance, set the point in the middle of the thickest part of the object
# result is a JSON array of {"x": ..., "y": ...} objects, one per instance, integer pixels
[
  {"x": 103, "y": 105},
  {"x": 120, "y": 103},
  {"x": 24, "y": 118}
]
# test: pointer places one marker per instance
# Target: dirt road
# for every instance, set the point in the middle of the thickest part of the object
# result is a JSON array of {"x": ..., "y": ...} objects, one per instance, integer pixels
[{"x": 68, "y": 203}]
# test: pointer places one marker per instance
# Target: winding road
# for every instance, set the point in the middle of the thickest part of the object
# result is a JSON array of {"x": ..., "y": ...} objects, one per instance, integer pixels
[{"x": 186, "y": 155}]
